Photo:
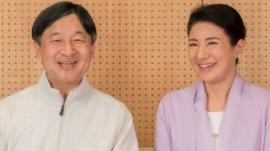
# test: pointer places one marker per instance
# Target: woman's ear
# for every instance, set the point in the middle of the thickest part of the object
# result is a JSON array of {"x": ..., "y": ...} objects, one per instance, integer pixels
[{"x": 239, "y": 48}]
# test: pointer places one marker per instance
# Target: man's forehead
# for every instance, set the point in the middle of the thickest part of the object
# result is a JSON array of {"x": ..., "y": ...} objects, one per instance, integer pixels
[
  {"x": 69, "y": 21},
  {"x": 78, "y": 32}
]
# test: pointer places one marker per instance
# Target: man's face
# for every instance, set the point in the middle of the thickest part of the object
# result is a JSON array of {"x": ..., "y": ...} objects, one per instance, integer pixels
[{"x": 65, "y": 51}]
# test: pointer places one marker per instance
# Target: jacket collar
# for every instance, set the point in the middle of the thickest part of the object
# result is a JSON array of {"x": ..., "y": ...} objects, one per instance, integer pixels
[{"x": 204, "y": 137}]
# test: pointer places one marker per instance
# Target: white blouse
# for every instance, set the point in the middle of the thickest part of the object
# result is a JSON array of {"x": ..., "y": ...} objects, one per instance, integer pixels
[{"x": 215, "y": 122}]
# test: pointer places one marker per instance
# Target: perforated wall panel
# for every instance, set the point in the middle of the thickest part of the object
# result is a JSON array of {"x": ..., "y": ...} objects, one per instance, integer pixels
[{"x": 140, "y": 50}]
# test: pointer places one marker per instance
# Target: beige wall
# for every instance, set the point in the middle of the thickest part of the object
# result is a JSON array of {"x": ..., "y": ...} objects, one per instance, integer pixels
[{"x": 140, "y": 50}]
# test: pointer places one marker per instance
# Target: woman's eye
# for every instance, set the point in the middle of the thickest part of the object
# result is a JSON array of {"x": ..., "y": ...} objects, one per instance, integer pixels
[
  {"x": 192, "y": 45},
  {"x": 56, "y": 40}
]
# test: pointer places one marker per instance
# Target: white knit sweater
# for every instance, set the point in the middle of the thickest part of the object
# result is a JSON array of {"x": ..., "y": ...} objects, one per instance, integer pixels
[{"x": 30, "y": 120}]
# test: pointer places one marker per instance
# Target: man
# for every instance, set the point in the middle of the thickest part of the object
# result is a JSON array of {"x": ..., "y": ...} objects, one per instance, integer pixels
[{"x": 62, "y": 112}]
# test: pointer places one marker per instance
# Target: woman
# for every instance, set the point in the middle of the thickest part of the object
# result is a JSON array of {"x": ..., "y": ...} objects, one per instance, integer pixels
[{"x": 222, "y": 112}]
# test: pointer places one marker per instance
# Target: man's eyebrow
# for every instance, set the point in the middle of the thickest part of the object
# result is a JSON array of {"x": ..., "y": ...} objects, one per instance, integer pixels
[
  {"x": 79, "y": 33},
  {"x": 54, "y": 34},
  {"x": 213, "y": 38}
]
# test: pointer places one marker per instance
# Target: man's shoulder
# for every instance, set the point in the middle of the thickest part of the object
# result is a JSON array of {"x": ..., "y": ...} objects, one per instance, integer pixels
[
  {"x": 14, "y": 105},
  {"x": 17, "y": 97},
  {"x": 108, "y": 102}
]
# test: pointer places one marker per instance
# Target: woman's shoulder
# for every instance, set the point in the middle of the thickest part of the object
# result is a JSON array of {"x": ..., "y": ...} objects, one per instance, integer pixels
[
  {"x": 256, "y": 90},
  {"x": 255, "y": 96},
  {"x": 180, "y": 96}
]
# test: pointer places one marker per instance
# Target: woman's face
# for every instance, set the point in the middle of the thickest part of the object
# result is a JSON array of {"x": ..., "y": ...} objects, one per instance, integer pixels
[{"x": 211, "y": 54}]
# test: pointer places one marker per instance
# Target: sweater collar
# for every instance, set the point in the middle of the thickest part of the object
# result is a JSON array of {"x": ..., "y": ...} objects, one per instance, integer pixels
[{"x": 78, "y": 93}]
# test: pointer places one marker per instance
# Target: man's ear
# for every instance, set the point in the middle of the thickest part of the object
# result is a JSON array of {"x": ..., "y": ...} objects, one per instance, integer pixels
[
  {"x": 36, "y": 47},
  {"x": 239, "y": 48},
  {"x": 93, "y": 50}
]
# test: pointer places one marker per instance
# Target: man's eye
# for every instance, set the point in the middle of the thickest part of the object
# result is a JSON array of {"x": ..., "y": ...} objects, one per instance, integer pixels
[
  {"x": 212, "y": 43},
  {"x": 78, "y": 40}
]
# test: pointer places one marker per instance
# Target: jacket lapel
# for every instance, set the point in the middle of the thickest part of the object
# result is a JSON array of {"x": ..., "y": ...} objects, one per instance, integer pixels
[
  {"x": 230, "y": 114},
  {"x": 203, "y": 130}
]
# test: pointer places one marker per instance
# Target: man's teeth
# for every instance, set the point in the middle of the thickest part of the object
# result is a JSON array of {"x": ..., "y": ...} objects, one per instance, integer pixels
[
  {"x": 203, "y": 66},
  {"x": 67, "y": 62}
]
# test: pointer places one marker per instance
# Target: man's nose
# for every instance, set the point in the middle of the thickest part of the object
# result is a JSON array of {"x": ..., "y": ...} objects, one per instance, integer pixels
[{"x": 69, "y": 49}]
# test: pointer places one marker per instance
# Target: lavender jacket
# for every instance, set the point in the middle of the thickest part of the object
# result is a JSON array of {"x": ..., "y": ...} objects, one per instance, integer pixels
[{"x": 182, "y": 121}]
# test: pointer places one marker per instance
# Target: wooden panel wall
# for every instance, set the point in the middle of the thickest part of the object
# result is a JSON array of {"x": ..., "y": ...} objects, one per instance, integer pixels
[
  {"x": 255, "y": 62},
  {"x": 140, "y": 50}
]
